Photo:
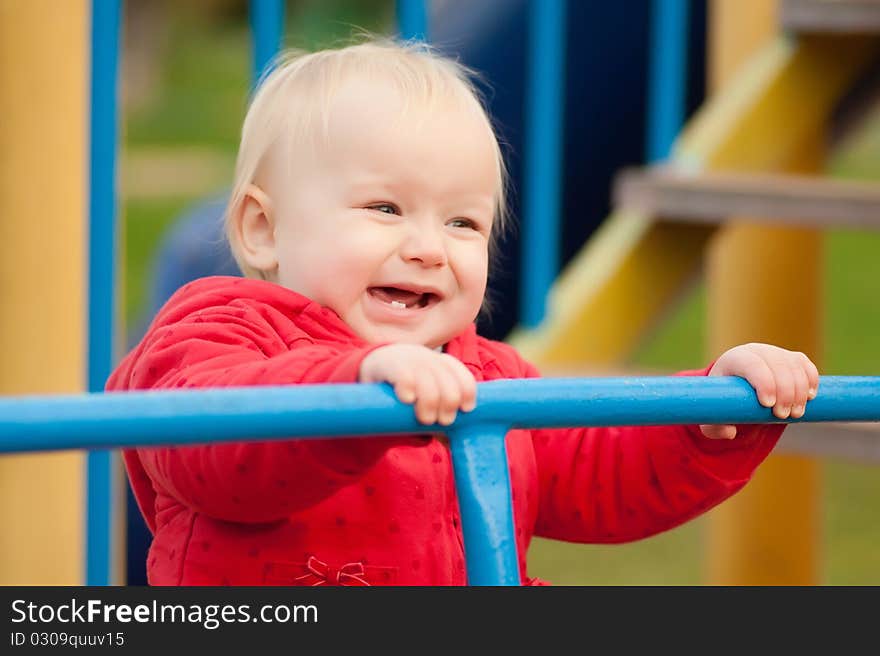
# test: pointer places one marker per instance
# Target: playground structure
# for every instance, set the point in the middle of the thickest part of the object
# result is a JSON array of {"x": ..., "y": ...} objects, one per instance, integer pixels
[
  {"x": 747, "y": 127},
  {"x": 775, "y": 85}
]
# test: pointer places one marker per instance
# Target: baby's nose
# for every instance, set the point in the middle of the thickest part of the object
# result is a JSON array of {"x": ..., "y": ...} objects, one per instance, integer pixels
[{"x": 425, "y": 247}]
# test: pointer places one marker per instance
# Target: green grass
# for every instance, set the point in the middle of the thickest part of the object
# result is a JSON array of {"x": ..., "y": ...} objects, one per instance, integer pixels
[
  {"x": 852, "y": 529},
  {"x": 145, "y": 224},
  {"x": 671, "y": 558},
  {"x": 201, "y": 102},
  {"x": 206, "y": 72}
]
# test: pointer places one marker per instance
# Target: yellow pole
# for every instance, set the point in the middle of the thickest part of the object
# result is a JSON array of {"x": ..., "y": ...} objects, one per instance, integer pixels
[
  {"x": 764, "y": 285},
  {"x": 44, "y": 55},
  {"x": 737, "y": 29}
]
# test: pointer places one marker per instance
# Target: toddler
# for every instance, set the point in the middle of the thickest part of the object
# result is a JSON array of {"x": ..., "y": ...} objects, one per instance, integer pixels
[{"x": 369, "y": 191}]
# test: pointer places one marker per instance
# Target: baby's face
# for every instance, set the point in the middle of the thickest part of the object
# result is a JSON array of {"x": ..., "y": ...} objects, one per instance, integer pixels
[{"x": 388, "y": 222}]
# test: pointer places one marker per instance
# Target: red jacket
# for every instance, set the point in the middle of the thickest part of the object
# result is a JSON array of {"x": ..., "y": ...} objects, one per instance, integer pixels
[{"x": 378, "y": 511}]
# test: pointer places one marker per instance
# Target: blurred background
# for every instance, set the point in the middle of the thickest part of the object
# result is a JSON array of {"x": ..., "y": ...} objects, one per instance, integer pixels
[
  {"x": 185, "y": 81},
  {"x": 185, "y": 74}
]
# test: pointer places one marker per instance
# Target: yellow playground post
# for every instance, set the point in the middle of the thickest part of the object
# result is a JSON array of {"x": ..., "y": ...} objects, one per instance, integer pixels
[
  {"x": 43, "y": 199},
  {"x": 770, "y": 532}
]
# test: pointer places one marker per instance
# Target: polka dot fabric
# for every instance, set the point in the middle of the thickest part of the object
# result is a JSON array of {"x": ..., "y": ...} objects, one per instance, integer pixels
[{"x": 378, "y": 511}]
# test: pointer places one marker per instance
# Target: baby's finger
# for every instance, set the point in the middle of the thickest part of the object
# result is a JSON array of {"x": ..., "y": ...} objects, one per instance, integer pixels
[
  {"x": 718, "y": 431},
  {"x": 760, "y": 376},
  {"x": 450, "y": 394},
  {"x": 785, "y": 390},
  {"x": 466, "y": 383},
  {"x": 405, "y": 386},
  {"x": 801, "y": 390},
  {"x": 812, "y": 376},
  {"x": 427, "y": 397}
]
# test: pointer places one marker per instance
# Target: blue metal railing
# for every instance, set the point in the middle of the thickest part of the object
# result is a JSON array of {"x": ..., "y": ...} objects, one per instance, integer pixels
[
  {"x": 545, "y": 100},
  {"x": 267, "y": 29},
  {"x": 121, "y": 420},
  {"x": 103, "y": 253},
  {"x": 667, "y": 76},
  {"x": 412, "y": 19}
]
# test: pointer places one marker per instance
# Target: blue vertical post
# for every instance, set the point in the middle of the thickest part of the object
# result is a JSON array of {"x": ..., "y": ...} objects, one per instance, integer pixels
[
  {"x": 482, "y": 483},
  {"x": 545, "y": 97},
  {"x": 103, "y": 251},
  {"x": 267, "y": 27},
  {"x": 667, "y": 72},
  {"x": 412, "y": 19}
]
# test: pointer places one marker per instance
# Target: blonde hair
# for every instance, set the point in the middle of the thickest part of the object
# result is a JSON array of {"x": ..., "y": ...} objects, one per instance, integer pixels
[{"x": 297, "y": 93}]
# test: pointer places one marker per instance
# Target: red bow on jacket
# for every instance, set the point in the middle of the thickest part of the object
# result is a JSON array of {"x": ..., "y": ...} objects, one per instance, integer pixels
[{"x": 348, "y": 574}]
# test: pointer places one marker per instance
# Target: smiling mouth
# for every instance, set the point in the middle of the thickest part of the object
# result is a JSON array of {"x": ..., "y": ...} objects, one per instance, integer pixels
[{"x": 403, "y": 298}]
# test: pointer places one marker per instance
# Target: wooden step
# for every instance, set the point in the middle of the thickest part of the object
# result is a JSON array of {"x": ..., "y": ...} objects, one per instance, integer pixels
[
  {"x": 855, "y": 442},
  {"x": 713, "y": 198},
  {"x": 830, "y": 16}
]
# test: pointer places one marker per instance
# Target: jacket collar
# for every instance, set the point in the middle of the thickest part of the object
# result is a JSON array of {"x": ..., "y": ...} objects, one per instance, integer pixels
[
  {"x": 317, "y": 317},
  {"x": 464, "y": 347}
]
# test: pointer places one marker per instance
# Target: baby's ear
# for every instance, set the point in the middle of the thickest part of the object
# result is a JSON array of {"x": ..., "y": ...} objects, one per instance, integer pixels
[{"x": 254, "y": 225}]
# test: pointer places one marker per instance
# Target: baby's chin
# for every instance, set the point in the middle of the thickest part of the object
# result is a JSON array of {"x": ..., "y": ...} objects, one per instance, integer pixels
[{"x": 392, "y": 335}]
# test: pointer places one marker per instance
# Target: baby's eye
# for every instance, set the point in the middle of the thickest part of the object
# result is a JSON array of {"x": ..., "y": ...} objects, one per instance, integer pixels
[
  {"x": 461, "y": 222},
  {"x": 386, "y": 208}
]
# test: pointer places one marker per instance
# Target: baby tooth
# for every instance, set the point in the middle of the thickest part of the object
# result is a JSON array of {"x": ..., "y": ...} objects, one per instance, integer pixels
[{"x": 398, "y": 304}]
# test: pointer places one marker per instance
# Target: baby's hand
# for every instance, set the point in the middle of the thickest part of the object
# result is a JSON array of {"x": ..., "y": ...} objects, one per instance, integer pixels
[
  {"x": 437, "y": 383},
  {"x": 783, "y": 380}
]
